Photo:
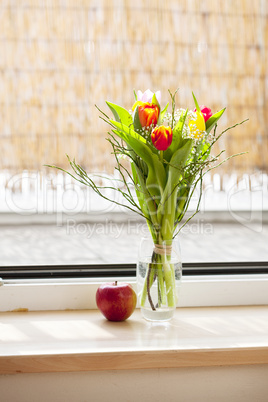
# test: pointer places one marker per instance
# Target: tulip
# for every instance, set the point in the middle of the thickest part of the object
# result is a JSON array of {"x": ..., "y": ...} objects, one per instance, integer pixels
[
  {"x": 148, "y": 114},
  {"x": 197, "y": 126},
  {"x": 147, "y": 96},
  {"x": 162, "y": 137},
  {"x": 206, "y": 111}
]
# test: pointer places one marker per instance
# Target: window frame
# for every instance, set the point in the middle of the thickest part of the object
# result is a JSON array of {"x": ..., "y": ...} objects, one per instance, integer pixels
[
  {"x": 21, "y": 272},
  {"x": 226, "y": 285}
]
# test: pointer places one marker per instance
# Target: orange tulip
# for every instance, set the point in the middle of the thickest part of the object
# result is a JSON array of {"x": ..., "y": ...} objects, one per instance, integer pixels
[
  {"x": 148, "y": 114},
  {"x": 162, "y": 137}
]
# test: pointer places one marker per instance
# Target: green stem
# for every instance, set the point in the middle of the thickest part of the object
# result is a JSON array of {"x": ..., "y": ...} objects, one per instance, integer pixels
[
  {"x": 169, "y": 281},
  {"x": 149, "y": 280},
  {"x": 161, "y": 285}
]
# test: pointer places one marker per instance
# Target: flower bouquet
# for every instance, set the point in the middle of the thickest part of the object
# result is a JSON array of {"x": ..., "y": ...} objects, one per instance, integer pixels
[{"x": 168, "y": 154}]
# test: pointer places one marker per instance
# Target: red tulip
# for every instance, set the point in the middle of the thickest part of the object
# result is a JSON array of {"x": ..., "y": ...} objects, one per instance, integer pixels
[
  {"x": 162, "y": 137},
  {"x": 148, "y": 114},
  {"x": 206, "y": 111}
]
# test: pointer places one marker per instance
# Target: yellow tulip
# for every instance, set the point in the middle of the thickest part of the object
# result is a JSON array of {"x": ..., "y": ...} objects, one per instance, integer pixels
[{"x": 198, "y": 126}]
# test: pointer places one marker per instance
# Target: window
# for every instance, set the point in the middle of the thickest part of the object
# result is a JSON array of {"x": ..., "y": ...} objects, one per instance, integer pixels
[{"x": 59, "y": 60}]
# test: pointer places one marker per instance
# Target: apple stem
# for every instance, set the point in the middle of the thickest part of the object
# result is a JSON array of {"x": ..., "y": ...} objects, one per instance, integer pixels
[{"x": 115, "y": 283}]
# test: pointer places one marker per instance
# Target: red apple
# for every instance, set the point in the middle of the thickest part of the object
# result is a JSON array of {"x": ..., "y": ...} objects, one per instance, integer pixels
[{"x": 116, "y": 301}]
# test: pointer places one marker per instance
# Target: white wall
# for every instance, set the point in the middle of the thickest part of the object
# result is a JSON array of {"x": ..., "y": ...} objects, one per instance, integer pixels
[{"x": 218, "y": 384}]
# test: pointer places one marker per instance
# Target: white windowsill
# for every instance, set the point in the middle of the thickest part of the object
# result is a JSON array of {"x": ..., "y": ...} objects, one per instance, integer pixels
[{"x": 69, "y": 341}]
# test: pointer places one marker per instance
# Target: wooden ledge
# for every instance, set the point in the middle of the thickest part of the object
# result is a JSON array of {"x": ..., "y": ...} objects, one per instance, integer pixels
[{"x": 69, "y": 341}]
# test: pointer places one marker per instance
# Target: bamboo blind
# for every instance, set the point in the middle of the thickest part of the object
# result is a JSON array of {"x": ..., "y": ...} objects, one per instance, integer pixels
[{"x": 58, "y": 58}]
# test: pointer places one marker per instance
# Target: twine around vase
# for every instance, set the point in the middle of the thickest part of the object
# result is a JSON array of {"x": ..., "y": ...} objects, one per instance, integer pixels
[{"x": 162, "y": 249}]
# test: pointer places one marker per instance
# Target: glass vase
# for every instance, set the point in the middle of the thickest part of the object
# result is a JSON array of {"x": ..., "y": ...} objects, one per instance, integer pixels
[{"x": 159, "y": 272}]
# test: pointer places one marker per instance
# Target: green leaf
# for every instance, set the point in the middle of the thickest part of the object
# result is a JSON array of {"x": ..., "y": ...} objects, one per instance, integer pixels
[
  {"x": 210, "y": 123},
  {"x": 176, "y": 138},
  {"x": 168, "y": 203},
  {"x": 147, "y": 204},
  {"x": 206, "y": 151},
  {"x": 156, "y": 178},
  {"x": 202, "y": 152},
  {"x": 136, "y": 120},
  {"x": 179, "y": 159},
  {"x": 155, "y": 102},
  {"x": 133, "y": 134},
  {"x": 139, "y": 192},
  {"x": 162, "y": 114},
  {"x": 120, "y": 114},
  {"x": 127, "y": 130},
  {"x": 196, "y": 104}
]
